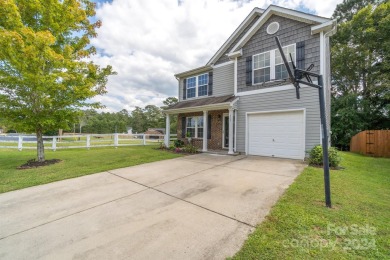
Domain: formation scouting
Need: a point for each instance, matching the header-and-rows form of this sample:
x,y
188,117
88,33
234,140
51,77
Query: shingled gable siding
x,y
290,32
215,143
224,58
281,100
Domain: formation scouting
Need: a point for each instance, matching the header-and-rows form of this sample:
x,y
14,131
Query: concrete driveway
x,y
195,207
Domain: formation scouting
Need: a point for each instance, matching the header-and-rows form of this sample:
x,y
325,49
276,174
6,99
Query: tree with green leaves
x,y
348,8
138,120
154,117
45,75
169,101
361,71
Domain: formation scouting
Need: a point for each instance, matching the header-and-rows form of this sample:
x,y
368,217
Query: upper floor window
x,y
203,83
269,65
261,67
197,86
191,87
280,68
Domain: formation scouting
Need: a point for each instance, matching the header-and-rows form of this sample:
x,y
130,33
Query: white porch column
x,y
167,129
235,130
231,131
205,128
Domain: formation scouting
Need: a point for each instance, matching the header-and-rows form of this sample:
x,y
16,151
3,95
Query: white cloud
x,y
148,41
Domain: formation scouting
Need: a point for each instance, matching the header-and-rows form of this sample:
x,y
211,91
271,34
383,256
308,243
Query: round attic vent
x,y
273,28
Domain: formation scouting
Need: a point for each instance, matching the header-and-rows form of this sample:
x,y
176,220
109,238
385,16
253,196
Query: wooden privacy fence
x,y
372,142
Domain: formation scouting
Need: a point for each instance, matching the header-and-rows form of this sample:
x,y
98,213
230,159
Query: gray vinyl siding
x,y
281,100
224,58
290,32
223,80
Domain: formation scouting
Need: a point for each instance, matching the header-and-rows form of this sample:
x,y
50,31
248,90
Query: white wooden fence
x,y
21,142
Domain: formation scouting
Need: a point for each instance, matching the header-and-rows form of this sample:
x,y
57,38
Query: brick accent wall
x,y
215,143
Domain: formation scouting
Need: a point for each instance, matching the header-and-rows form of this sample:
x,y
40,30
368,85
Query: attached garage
x,y
276,134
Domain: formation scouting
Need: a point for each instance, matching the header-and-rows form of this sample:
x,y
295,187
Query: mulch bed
x,y
35,164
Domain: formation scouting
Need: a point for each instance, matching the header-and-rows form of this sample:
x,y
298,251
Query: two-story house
x,y
242,100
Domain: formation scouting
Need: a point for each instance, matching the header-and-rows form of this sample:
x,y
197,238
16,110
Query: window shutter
x,y
183,127
301,55
209,127
249,70
184,89
210,83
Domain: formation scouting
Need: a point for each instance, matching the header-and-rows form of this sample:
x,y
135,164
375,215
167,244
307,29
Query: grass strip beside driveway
x,y
76,162
301,227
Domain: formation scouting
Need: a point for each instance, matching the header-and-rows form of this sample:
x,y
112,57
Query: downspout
x,y
328,79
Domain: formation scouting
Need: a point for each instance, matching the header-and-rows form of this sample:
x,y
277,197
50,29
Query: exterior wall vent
x,y
273,28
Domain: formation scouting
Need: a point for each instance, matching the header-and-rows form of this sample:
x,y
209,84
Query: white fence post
x,y
88,141
54,144
116,140
144,139
20,143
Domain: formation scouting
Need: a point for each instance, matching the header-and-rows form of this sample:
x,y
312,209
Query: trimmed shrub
x,y
178,143
190,149
315,157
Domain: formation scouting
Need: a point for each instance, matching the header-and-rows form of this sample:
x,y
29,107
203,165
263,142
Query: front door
x,y
225,131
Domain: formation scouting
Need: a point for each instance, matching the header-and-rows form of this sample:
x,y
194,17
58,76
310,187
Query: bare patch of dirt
x,y
35,164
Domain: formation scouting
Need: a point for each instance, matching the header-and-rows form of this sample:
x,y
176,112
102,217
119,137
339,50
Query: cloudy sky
x,y
148,41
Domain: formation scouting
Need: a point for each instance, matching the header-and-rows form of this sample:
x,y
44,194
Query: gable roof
x,y
320,23
280,11
254,13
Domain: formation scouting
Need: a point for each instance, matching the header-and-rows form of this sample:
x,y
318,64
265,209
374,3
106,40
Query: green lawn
x,y
76,162
358,226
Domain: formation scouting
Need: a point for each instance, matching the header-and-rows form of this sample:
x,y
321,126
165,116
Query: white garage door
x,y
279,134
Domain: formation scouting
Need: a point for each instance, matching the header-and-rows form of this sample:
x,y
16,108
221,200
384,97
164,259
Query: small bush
x,y
178,143
162,146
190,149
316,156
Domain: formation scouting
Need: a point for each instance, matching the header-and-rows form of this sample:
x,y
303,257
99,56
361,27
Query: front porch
x,y
206,123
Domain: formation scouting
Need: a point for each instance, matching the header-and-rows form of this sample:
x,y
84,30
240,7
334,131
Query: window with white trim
x,y
269,65
191,87
203,83
280,68
194,127
261,67
198,86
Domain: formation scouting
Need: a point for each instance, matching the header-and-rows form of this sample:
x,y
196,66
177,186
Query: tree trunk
x,y
40,147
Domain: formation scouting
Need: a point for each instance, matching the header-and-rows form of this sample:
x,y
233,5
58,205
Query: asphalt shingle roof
x,y
202,102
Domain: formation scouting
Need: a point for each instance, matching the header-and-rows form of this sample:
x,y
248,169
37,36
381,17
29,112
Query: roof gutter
x,y
236,54
193,71
199,108
327,26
